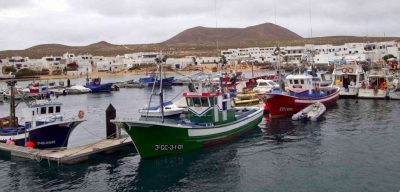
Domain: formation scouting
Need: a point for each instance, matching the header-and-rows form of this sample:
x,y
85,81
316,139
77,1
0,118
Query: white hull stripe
x,y
208,131
13,137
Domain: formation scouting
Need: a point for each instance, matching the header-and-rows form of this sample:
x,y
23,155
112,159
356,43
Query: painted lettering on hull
x,y
171,147
46,142
285,109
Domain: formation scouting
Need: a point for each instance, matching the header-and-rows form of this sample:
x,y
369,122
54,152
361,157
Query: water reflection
x,y
196,170
284,129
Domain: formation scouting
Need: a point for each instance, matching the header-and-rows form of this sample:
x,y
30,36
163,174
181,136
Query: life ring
x,y
81,114
350,70
344,70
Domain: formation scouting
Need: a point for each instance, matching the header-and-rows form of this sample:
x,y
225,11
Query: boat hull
x,y
372,94
350,92
394,95
281,105
149,81
158,139
47,136
100,88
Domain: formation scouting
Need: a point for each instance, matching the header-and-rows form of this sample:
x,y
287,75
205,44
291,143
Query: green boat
x,y
210,120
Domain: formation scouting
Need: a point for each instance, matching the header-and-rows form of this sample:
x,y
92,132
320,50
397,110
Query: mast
x,y
12,84
161,92
87,76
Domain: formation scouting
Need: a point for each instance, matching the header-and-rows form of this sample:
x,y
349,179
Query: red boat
x,y
304,90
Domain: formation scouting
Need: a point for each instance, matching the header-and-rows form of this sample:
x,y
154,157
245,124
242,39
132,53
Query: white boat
x,y
379,82
77,89
395,92
6,76
312,112
265,86
326,78
349,78
170,109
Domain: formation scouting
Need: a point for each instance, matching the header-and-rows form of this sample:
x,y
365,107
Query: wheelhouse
x,y
209,108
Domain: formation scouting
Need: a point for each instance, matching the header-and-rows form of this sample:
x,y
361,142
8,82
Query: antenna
x,y
309,13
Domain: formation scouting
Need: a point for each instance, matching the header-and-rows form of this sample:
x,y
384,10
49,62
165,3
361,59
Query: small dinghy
x,y
312,112
170,109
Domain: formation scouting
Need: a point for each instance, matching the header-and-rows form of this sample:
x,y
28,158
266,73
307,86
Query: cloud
x,y
75,22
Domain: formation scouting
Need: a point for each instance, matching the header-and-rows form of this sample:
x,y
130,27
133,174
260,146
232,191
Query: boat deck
x,y
71,155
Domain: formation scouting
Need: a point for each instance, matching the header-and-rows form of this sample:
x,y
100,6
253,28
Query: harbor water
x,y
353,148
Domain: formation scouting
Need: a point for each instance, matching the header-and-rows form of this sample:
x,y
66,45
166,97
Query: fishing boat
x,y
303,90
312,112
170,110
151,79
6,76
326,78
246,99
349,78
95,86
44,126
395,92
265,86
377,87
210,120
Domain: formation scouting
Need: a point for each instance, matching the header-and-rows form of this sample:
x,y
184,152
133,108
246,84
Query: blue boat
x,y
45,128
151,79
96,86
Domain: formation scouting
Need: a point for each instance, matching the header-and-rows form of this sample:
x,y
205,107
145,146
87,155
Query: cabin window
x,y
323,77
33,113
51,109
196,102
189,101
58,109
43,110
291,82
224,106
295,81
204,102
302,81
362,77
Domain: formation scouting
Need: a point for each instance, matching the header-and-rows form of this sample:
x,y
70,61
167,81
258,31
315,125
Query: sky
x,y
25,23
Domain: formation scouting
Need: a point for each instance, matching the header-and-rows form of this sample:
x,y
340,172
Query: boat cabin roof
x,y
378,72
44,103
205,94
299,77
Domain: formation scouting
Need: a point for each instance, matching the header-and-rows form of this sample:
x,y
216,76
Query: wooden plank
x,y
70,155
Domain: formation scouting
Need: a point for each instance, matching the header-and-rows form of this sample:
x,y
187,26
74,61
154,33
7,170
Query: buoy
x,y
30,144
81,114
10,142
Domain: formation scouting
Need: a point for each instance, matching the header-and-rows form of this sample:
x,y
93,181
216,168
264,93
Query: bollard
x,y
111,131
